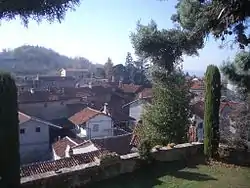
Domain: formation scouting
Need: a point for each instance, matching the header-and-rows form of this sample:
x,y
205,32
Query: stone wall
x,y
96,171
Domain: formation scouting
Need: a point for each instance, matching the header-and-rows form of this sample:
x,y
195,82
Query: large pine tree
x,y
212,107
9,133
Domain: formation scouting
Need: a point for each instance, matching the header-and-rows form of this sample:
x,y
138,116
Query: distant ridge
x,y
32,60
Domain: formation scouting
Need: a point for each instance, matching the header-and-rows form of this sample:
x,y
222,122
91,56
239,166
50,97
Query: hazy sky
x,y
99,29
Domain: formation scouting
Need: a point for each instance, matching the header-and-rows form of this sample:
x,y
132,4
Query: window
x,y
38,129
95,128
22,131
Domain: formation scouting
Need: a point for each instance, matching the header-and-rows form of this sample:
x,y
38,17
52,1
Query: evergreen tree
x,y
9,133
212,107
167,119
108,68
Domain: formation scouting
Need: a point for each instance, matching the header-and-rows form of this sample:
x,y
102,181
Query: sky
x,y
99,29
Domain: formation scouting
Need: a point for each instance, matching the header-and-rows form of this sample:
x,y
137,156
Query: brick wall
x,y
91,172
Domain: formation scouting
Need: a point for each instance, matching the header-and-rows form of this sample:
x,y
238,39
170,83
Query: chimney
x,y
112,79
67,151
105,109
32,91
140,95
90,85
58,138
120,83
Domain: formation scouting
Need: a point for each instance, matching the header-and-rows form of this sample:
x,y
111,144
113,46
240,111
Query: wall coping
x,y
96,164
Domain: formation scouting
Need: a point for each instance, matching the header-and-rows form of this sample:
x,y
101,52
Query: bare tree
x,y
234,128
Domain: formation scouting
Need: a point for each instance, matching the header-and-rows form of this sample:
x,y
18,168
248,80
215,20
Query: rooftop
x,y
84,115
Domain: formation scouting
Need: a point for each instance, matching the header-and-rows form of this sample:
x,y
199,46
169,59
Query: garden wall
x,y
96,171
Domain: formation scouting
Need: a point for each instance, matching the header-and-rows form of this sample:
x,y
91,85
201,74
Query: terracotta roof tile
x,y
198,107
84,115
60,146
145,93
197,85
48,166
130,88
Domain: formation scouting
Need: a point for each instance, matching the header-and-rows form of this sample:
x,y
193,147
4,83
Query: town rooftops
x,y
55,78
130,88
56,165
82,146
198,107
84,115
75,70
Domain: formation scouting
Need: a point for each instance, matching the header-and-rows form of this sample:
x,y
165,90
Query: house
x,y
50,82
198,110
91,123
76,73
34,138
137,107
67,147
48,105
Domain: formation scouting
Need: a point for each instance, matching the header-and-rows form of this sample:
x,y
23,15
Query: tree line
x,y
132,72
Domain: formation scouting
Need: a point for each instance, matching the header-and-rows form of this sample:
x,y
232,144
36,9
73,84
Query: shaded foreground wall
x,y
96,171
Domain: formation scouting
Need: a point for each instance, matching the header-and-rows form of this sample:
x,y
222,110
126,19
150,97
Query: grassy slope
x,y
173,176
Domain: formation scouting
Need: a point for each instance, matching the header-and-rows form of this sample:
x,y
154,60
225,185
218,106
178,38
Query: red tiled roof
x,y
60,146
84,115
198,107
197,85
145,93
130,88
23,117
48,166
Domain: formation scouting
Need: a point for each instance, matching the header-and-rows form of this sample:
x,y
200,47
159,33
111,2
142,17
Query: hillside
x,y
31,60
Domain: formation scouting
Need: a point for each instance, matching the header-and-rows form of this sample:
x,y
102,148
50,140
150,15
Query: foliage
x,y
37,10
216,17
212,107
145,150
9,133
109,158
34,60
108,68
166,120
99,72
238,70
164,47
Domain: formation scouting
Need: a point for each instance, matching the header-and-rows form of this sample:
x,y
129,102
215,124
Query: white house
x,y
67,147
34,139
137,107
91,123
76,73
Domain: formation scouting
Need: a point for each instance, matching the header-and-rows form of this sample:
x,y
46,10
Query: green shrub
x,y
145,150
